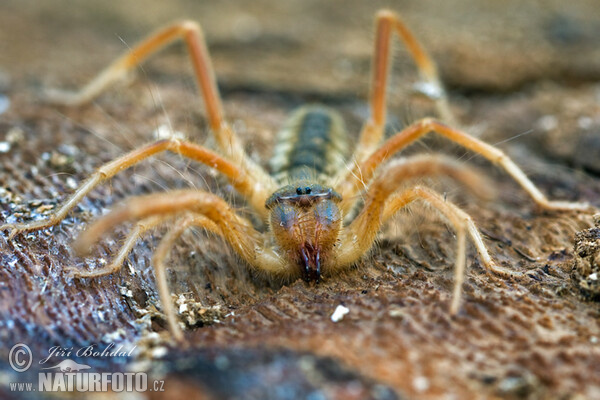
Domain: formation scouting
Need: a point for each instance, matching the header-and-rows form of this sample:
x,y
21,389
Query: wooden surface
x,y
528,81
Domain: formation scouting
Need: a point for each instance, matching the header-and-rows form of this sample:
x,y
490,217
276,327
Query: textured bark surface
x,y
523,76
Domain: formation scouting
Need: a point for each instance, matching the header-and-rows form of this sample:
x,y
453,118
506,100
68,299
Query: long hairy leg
x,y
160,255
256,192
199,209
397,201
388,22
192,34
427,165
360,234
116,264
246,241
362,172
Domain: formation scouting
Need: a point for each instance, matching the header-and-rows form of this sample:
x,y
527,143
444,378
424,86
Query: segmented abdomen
x,y
311,145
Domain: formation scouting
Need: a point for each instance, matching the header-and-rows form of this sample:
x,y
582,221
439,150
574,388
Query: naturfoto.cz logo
x,y
71,376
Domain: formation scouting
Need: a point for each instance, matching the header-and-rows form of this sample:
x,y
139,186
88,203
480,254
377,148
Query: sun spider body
x,y
313,187
304,215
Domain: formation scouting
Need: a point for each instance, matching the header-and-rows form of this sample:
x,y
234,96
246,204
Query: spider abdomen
x,y
312,143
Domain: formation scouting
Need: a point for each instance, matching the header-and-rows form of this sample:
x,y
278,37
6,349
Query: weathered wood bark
x,y
532,337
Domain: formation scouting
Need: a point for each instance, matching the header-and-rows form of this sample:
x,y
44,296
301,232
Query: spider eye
x,y
307,190
299,191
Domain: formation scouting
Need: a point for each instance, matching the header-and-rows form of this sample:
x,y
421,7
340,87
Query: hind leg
x,y
191,33
387,23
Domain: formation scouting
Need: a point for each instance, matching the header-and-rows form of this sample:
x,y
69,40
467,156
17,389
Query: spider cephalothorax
x,y
307,233
306,221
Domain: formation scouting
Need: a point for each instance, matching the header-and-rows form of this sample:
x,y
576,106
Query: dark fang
x,y
312,264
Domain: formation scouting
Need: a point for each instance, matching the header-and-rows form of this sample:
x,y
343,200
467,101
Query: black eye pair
x,y
300,191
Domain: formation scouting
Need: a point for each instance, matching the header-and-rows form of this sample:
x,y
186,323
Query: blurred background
x,y
491,45
545,52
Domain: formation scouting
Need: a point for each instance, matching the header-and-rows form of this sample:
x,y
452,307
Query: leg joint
x,y
501,157
190,26
386,14
428,123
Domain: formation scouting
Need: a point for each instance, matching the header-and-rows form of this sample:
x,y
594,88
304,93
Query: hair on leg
x,y
246,241
192,35
427,165
116,264
355,244
158,261
255,191
387,22
364,171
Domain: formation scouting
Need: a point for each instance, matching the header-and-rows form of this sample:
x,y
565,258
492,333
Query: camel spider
x,y
311,189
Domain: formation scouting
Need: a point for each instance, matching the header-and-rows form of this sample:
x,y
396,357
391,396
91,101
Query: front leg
x,y
158,261
199,208
160,254
246,241
381,203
